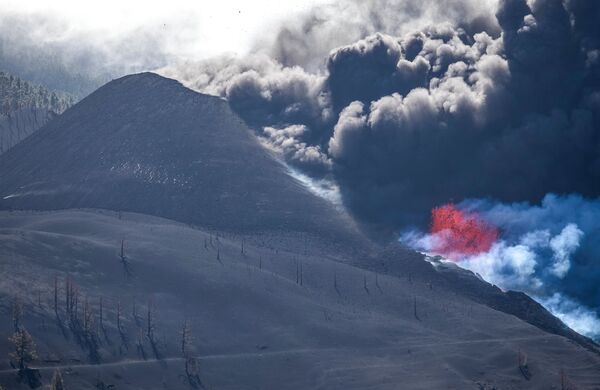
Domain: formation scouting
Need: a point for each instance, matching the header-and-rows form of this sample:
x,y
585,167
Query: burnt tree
x,y
17,314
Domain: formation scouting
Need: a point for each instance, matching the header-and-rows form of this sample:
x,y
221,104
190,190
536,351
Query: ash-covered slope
x,y
275,316
145,143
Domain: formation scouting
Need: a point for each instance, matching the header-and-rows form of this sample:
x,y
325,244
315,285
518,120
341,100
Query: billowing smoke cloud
x,y
405,123
413,107
287,105
579,318
550,251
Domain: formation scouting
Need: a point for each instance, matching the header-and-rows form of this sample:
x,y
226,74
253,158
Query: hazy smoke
x,y
48,51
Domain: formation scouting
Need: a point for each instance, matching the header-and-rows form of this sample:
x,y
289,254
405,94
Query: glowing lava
x,y
458,233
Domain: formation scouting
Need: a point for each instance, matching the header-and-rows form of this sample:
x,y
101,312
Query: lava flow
x,y
459,233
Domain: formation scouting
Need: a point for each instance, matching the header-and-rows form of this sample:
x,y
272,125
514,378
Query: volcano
x,y
145,144
164,211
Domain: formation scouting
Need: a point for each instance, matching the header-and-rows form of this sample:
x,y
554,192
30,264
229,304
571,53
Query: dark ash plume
x,y
446,112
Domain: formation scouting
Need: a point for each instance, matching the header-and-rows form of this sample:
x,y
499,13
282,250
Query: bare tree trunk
x,y
56,296
415,309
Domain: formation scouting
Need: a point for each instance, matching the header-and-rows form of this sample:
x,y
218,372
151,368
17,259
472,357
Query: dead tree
x,y
59,321
74,306
67,297
140,344
71,299
89,328
365,284
101,314
125,261
56,297
186,339
119,314
101,319
136,317
17,314
415,309
305,245
335,282
76,303
57,382
120,329
192,370
89,334
87,317
523,365
151,328
119,325
565,382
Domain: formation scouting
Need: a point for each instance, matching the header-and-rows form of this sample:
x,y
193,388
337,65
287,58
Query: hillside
x,y
160,203
276,315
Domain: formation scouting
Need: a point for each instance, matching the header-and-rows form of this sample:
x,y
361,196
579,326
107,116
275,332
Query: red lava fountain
x,y
459,233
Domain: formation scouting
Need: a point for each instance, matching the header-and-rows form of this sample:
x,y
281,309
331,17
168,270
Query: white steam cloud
x,y
572,313
547,251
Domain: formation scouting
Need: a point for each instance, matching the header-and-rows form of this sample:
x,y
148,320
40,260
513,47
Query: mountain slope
x,y
257,323
144,143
